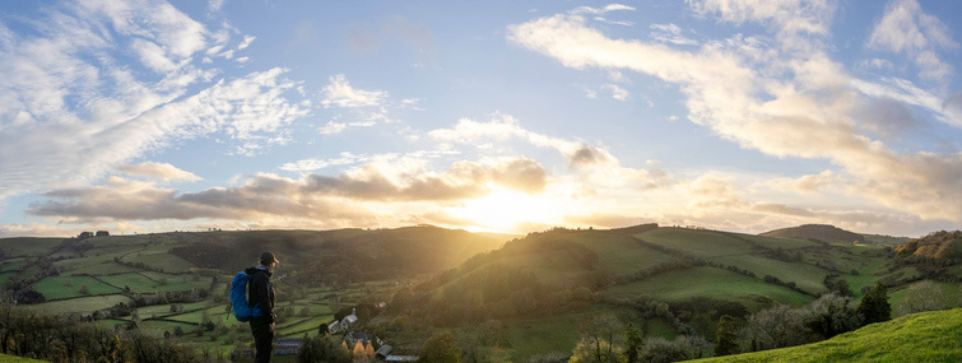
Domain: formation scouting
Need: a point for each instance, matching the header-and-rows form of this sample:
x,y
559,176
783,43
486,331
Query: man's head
x,y
268,259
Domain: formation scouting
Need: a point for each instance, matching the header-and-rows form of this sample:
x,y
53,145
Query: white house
x,y
344,324
349,320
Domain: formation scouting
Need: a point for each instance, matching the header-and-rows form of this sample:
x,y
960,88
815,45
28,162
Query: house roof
x,y
401,358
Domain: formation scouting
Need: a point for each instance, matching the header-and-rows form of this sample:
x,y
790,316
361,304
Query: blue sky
x,y
141,116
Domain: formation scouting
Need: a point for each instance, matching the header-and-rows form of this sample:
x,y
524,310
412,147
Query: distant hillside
x,y
884,240
938,246
923,337
821,232
347,255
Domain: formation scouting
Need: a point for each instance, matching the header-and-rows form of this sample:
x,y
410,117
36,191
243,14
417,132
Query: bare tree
x,y
923,296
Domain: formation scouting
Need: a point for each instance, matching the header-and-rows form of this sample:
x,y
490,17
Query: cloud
x,y
876,63
601,11
617,93
163,171
331,128
248,39
669,33
339,93
745,93
347,158
215,5
403,179
578,153
74,114
808,184
906,29
790,17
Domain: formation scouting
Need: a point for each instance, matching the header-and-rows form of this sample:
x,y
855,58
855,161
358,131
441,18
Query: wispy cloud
x,y
906,29
340,93
732,91
163,171
579,154
669,33
601,11
77,112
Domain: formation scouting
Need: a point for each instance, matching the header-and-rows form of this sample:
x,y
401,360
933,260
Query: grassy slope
x,y
14,359
683,285
728,249
924,337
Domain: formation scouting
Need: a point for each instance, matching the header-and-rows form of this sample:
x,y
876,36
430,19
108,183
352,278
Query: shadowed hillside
x,y
344,256
821,232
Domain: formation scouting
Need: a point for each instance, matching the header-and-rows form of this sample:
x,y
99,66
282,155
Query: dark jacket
x,y
261,291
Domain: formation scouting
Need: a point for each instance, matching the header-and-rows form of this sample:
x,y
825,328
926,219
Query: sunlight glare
x,y
503,210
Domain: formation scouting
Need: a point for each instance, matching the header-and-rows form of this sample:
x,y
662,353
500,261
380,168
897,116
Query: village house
x,y
344,324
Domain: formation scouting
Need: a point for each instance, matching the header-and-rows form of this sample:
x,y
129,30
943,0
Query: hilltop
x,y
821,232
940,246
923,337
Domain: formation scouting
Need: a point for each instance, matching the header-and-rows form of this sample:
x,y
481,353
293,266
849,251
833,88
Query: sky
x,y
139,116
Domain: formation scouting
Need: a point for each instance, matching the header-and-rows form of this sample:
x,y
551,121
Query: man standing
x,y
261,291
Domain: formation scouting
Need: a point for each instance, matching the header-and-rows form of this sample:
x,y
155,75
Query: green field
x,y
55,287
14,359
28,246
731,249
924,337
683,285
84,305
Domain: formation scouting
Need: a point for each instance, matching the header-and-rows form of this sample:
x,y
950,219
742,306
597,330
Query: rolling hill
x,y
923,337
667,280
821,232
531,292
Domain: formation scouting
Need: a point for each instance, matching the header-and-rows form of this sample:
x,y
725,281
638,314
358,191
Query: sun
x,y
503,210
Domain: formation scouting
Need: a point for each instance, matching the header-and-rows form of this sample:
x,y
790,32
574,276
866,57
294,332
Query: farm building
x,y
384,354
288,346
103,234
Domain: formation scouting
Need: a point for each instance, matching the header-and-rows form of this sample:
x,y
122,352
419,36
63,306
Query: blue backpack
x,y
238,298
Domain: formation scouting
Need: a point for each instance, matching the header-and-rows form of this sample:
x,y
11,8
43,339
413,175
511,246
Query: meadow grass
x,y
14,359
300,325
85,305
158,327
165,309
778,242
13,264
728,250
28,246
684,285
923,337
159,259
698,243
54,287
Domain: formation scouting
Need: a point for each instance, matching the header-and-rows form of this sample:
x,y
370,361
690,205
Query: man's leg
x,y
264,342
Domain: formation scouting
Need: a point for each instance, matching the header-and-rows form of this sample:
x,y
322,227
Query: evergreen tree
x,y
634,344
725,337
875,305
